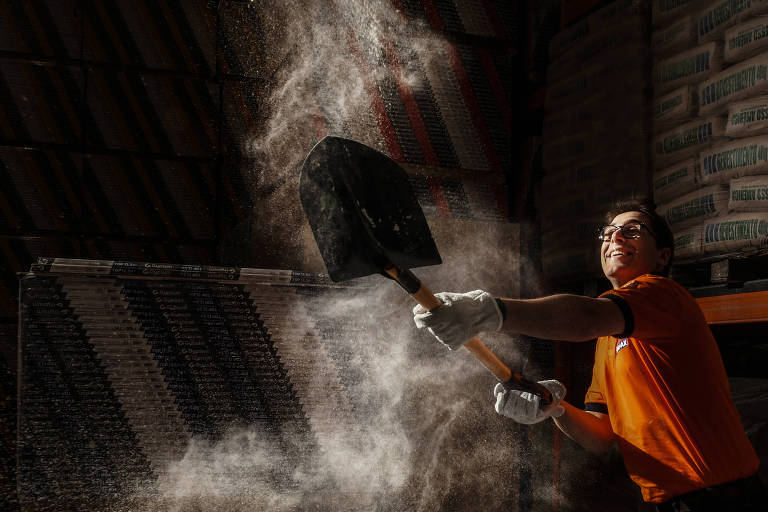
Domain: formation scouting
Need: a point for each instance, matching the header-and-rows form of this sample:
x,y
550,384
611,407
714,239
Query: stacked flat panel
x,y
124,364
165,35
41,102
8,376
476,17
51,29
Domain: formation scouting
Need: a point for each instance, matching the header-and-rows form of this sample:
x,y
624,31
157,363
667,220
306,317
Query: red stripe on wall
x,y
497,87
411,107
436,189
474,109
318,122
377,103
432,16
493,18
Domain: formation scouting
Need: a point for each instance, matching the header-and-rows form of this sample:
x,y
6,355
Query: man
x,y
659,388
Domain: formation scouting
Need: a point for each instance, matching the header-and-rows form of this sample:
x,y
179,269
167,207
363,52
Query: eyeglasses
x,y
628,230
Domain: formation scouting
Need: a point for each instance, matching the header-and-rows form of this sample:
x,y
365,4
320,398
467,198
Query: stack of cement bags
x,y
710,147
596,127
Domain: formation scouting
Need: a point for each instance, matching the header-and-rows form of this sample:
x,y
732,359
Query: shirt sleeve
x,y
655,308
594,399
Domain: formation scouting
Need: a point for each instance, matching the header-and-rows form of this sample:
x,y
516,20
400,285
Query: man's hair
x,y
659,226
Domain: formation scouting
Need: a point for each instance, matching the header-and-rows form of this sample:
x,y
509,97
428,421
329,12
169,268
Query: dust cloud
x,y
397,422
324,66
410,425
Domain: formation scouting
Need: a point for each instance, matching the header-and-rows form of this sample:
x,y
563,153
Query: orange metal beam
x,y
735,308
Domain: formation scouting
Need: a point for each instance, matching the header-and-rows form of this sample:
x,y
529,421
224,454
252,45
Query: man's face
x,y
624,258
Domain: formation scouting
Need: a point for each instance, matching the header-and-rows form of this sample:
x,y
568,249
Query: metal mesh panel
x,y
122,364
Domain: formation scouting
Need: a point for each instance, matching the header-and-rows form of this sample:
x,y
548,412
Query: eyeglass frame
x,y
602,237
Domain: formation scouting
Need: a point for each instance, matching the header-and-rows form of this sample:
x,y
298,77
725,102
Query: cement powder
x,y
748,118
745,40
728,160
686,140
676,180
735,232
688,67
694,207
740,81
749,194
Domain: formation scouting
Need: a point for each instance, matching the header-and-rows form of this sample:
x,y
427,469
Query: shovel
x,y
366,220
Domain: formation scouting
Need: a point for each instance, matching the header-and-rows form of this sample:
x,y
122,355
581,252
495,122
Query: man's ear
x,y
665,253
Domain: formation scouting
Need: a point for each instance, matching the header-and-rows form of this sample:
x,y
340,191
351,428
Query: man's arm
x,y
592,430
563,317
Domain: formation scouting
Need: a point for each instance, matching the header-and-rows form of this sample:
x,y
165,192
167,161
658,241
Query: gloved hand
x,y
460,318
523,407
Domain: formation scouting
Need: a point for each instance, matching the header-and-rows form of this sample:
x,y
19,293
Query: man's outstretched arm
x,y
563,317
557,317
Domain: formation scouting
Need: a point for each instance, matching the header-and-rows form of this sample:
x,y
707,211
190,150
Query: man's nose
x,y
618,235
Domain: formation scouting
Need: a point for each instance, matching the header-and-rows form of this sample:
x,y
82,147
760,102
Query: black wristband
x,y
502,308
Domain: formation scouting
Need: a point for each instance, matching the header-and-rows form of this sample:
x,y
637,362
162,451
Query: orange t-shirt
x,y
667,395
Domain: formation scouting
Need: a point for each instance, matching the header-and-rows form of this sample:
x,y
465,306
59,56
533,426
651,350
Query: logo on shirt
x,y
621,344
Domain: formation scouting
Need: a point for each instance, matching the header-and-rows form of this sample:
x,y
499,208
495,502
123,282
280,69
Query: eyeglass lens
x,y
630,230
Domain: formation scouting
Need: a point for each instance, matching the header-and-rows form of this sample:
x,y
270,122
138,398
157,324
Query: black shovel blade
x,y
362,211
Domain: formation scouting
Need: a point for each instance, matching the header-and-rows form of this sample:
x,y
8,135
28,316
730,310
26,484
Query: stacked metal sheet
x,y
122,364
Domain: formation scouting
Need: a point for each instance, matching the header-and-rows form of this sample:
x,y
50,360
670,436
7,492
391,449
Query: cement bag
x,y
675,106
598,172
719,15
558,262
688,242
749,194
584,203
676,180
584,116
745,40
563,181
680,35
688,67
627,75
743,80
695,206
735,232
747,118
572,150
575,232
618,12
616,43
686,140
666,11
728,160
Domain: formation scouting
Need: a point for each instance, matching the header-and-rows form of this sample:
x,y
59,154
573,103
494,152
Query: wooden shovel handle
x,y
509,379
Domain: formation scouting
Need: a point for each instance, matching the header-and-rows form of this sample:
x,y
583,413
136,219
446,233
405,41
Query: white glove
x,y
460,318
523,407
